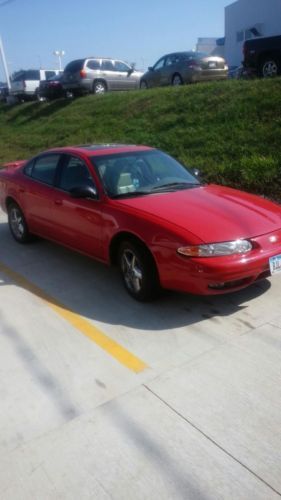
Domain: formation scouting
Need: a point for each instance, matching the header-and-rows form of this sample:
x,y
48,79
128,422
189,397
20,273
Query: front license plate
x,y
275,264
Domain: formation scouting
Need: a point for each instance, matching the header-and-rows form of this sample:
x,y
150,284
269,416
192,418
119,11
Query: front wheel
x,y
99,87
138,271
143,85
17,224
270,67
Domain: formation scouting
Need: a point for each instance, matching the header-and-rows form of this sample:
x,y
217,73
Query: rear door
x,y
109,74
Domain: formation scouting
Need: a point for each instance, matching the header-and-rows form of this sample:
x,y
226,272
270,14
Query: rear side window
x,y
93,64
107,66
48,74
44,169
74,66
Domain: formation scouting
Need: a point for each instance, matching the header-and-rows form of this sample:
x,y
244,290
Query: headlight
x,y
215,249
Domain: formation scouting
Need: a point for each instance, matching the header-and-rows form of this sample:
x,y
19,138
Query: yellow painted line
x,y
118,352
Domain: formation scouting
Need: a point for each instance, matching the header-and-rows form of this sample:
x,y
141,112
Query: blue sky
x,y
137,31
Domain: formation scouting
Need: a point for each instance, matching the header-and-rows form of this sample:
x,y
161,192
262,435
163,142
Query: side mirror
x,y
150,68
130,71
84,192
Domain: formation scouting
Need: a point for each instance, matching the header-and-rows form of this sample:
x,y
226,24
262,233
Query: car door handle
x,y
58,202
21,190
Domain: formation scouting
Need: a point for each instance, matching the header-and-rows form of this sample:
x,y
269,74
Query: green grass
x,y
230,130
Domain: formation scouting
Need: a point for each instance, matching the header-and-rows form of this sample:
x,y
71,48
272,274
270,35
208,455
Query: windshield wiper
x,y
177,185
130,194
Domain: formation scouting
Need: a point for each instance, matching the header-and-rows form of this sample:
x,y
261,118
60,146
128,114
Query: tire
x,y
143,85
177,80
99,87
38,97
138,271
270,67
17,224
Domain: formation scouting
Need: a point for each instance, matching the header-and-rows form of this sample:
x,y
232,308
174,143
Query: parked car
x,y
25,83
262,56
51,88
137,207
97,75
184,67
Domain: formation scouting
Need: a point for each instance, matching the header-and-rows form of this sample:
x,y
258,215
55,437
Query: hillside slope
x,y
230,130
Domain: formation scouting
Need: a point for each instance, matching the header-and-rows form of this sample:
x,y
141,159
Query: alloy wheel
x,y
131,270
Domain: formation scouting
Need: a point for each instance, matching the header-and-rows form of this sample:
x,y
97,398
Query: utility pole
x,y
2,53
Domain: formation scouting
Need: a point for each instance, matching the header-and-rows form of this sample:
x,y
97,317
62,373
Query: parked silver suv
x,y
97,75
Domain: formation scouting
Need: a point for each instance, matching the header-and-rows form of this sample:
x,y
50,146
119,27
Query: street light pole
x,y
2,53
59,54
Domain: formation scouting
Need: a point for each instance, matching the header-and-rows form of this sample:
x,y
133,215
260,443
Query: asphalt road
x,y
105,398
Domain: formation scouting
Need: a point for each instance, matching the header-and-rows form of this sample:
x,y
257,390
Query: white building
x,y
248,19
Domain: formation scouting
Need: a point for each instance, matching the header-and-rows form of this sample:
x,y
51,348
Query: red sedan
x,y
137,207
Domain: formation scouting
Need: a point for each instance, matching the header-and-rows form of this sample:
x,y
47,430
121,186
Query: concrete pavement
x,y
200,420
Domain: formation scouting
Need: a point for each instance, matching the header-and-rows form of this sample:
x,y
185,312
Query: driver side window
x,y
120,66
75,174
160,64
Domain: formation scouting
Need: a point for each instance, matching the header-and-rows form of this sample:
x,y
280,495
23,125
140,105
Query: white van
x,y
25,84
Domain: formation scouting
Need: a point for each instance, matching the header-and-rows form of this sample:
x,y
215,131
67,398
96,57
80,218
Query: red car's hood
x,y
212,213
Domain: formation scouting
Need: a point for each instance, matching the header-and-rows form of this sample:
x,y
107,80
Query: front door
x,y
78,221
37,194
156,74
126,79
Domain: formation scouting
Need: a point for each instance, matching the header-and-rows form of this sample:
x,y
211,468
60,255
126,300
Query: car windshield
x,y
142,173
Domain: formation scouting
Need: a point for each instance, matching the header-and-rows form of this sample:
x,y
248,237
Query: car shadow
x,y
95,291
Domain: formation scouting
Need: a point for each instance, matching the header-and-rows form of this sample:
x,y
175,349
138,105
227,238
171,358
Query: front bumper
x,y
218,275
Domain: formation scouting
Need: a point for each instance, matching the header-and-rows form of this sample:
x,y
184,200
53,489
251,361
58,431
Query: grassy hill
x,y
230,130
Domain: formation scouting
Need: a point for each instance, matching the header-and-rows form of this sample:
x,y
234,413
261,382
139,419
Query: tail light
x,y
83,73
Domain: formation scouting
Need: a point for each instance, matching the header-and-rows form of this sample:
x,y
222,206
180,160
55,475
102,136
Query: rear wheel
x,y
138,271
177,80
99,87
17,224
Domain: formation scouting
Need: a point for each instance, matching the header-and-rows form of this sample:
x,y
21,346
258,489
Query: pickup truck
x,y
262,56
25,84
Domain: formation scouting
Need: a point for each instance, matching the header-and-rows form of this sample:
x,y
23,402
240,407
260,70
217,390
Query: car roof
x,y
101,149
